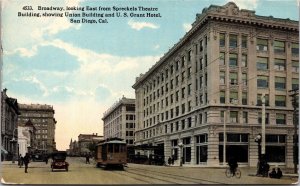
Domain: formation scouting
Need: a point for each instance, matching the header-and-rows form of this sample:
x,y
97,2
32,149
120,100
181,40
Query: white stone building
x,y
119,121
221,67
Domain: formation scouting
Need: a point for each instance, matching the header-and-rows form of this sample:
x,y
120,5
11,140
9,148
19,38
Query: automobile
x,y
37,157
59,160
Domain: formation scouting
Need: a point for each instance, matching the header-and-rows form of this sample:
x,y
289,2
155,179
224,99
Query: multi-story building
x,y
222,67
9,127
119,121
42,118
84,140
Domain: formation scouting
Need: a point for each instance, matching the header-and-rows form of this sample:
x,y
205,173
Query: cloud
x,y
140,25
156,47
245,4
36,31
92,69
187,27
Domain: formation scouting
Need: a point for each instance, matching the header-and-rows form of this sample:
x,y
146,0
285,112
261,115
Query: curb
x,y
283,176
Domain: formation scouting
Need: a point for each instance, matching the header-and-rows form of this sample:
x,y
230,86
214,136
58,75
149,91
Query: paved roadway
x,y
81,173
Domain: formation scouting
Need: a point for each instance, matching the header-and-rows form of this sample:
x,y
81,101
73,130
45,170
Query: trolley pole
x,y
294,94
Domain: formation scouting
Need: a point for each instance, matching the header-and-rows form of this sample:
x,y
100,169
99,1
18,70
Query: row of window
x,y
42,131
230,137
114,114
234,117
169,114
41,136
262,63
233,40
280,82
130,117
280,118
130,125
180,64
261,44
129,133
184,90
169,99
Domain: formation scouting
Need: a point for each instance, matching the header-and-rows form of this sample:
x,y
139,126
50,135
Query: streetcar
x,y
111,153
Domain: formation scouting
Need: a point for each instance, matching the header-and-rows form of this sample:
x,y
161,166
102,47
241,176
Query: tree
x,y
92,147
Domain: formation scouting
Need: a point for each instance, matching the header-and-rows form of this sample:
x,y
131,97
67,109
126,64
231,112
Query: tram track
x,y
168,177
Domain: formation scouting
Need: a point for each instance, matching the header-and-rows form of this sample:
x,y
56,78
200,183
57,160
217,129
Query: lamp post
x,y
258,141
263,126
180,145
13,141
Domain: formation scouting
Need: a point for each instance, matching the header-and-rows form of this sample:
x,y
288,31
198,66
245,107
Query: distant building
x,y
214,78
119,120
84,140
73,148
42,118
9,127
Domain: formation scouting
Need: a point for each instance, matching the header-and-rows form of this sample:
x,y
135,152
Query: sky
x,y
83,69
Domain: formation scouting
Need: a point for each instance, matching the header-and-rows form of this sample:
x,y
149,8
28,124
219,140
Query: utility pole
x,y
294,95
263,126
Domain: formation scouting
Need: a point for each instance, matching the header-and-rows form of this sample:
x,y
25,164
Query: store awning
x,y
3,150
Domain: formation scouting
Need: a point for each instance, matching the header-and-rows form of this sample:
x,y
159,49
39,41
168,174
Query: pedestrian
x,y
169,160
26,161
87,159
46,159
272,174
19,160
267,168
233,165
279,173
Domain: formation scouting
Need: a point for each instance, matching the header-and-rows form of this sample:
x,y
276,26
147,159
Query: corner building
x,y
222,67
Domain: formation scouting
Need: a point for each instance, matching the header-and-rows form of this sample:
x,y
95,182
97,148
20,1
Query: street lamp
x,y
13,141
180,145
258,141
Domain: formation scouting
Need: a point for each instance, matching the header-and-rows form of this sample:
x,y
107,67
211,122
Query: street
x,y
81,173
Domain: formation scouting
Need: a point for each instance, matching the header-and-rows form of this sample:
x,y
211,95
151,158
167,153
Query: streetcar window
x,y
110,148
123,148
116,148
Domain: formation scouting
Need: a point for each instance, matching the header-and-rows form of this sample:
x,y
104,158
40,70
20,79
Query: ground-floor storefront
x,y
205,146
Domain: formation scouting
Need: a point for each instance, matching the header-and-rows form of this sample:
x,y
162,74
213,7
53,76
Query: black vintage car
x,y
59,160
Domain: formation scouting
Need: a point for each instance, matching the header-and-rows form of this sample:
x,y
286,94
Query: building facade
x,y
211,82
9,127
42,118
84,140
119,121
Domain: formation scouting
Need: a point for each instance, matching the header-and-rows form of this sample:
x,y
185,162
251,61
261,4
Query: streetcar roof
x,y
113,142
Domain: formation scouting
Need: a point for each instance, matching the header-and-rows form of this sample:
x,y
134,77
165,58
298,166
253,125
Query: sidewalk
x,y
250,171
